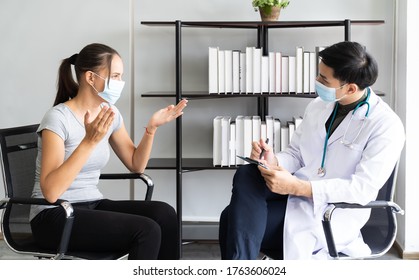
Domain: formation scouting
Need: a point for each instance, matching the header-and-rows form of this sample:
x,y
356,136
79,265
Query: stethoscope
x,y
322,171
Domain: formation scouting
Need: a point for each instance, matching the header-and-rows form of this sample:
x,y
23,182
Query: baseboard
x,y
405,255
200,231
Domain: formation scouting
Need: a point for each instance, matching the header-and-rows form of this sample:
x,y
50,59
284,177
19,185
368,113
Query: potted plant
x,y
269,9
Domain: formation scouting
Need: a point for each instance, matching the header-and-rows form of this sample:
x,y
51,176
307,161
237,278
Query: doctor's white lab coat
x,y
353,175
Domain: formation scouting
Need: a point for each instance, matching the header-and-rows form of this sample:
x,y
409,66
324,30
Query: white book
x,y
312,71
242,72
249,69
256,122
291,73
284,137
232,144
278,72
264,76
276,143
228,71
285,75
236,71
299,70
213,70
239,138
291,129
216,143
272,74
221,71
257,68
263,130
297,121
248,134
269,129
306,72
225,138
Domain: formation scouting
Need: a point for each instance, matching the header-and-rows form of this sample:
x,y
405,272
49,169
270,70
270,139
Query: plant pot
x,y
269,13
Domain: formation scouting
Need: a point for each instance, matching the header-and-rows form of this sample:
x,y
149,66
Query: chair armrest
x,y
373,204
144,177
327,218
64,204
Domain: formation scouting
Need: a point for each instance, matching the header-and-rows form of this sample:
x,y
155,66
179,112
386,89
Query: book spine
x,y
236,71
257,67
228,71
221,71
213,70
299,70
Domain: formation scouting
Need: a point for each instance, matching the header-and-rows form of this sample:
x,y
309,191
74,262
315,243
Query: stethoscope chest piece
x,y
321,172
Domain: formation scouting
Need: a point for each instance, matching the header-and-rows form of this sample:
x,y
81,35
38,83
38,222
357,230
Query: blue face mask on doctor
x,y
327,94
112,91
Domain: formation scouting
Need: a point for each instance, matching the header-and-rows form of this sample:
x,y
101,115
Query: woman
x,y
73,147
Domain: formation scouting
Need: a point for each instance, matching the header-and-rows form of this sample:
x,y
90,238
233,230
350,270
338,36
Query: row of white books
x,y
250,72
233,137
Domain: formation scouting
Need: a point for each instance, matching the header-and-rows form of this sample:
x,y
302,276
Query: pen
x,y
263,150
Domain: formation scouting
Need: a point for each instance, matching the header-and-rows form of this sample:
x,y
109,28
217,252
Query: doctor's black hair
x,y
93,57
351,63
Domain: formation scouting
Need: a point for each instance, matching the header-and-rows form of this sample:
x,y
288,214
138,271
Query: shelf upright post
x,y
179,131
347,24
263,43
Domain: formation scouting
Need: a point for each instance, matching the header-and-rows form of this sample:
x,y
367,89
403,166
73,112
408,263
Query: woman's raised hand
x,y
97,129
166,115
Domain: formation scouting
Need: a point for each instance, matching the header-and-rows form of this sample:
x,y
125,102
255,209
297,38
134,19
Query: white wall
x,y
154,70
36,35
406,100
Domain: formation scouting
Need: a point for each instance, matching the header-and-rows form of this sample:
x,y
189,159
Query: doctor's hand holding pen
x,y
280,181
262,151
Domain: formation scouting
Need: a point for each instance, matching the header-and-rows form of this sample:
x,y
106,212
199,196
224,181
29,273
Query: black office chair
x,y
380,230
18,153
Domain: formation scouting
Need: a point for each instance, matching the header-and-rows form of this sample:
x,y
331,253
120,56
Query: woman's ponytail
x,y
67,87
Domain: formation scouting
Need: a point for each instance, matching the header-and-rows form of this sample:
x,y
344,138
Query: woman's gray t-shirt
x,y
61,120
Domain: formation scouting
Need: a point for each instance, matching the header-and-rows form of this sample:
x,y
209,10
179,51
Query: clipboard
x,y
252,161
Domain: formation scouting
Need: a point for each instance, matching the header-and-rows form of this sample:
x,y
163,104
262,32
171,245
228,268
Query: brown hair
x,y
93,57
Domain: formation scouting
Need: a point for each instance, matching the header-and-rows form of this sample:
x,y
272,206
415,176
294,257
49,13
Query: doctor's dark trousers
x,y
254,219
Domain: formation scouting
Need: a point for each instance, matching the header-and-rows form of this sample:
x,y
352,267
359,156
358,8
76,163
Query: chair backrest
x,y
380,230
18,159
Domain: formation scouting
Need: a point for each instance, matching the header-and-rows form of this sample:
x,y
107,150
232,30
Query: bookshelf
x,y
180,164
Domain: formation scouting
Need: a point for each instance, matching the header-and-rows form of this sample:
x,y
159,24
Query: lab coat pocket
x,y
352,146
346,157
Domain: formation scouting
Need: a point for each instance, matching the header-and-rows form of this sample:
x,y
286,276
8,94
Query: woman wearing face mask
x,y
73,147
343,151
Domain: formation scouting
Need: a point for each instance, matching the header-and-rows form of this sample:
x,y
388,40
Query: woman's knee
x,y
148,231
163,212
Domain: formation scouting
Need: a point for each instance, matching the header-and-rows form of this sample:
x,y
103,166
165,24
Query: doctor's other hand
x,y
166,115
268,154
280,181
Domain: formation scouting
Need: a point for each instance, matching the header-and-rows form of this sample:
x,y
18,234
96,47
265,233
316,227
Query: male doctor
x,y
343,151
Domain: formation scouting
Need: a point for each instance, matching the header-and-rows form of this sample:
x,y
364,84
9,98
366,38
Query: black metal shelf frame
x,y
262,28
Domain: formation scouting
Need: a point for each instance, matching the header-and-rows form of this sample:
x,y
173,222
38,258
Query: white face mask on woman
x,y
112,90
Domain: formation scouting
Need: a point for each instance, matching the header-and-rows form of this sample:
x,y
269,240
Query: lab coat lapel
x,y
340,130
354,125
323,117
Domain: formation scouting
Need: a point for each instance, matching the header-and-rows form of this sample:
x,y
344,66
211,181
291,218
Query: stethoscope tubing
x,y
321,172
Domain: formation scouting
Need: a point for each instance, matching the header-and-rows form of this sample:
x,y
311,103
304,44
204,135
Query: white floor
x,y
208,250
